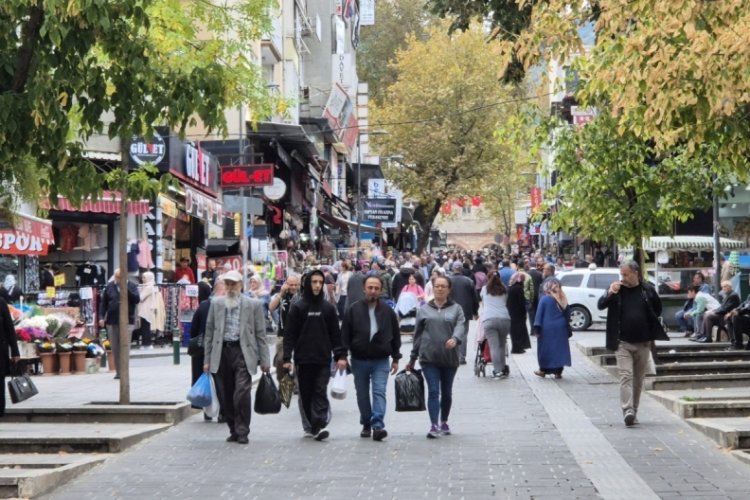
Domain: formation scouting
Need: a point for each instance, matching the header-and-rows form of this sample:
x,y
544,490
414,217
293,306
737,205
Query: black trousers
x,y
147,336
737,326
313,387
234,386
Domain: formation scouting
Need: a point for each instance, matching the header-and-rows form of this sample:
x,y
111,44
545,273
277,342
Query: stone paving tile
x,y
505,445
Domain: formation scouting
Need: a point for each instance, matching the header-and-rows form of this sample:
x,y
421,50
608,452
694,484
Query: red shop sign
x,y
247,175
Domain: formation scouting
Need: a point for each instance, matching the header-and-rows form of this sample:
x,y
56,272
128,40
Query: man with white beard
x,y
235,344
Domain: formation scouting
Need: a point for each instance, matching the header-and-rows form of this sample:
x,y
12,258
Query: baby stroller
x,y
406,309
482,359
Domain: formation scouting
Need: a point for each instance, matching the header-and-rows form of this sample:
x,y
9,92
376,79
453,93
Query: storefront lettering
x,y
247,175
22,242
142,151
197,164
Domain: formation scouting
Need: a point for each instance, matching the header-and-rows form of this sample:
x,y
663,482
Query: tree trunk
x,y
123,361
425,219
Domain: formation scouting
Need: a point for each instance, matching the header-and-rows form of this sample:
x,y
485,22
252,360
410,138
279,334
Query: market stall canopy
x,y
25,235
686,243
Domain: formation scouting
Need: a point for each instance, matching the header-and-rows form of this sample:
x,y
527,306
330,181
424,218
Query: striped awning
x,y
25,235
108,204
686,243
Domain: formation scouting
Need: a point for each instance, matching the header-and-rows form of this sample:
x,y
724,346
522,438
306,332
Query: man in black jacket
x,y
718,316
370,332
109,314
311,334
464,294
738,322
632,325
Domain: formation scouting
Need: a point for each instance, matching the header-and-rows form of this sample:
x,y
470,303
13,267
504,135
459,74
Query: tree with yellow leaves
x,y
442,114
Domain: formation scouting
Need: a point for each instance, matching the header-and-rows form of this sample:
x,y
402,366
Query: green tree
x,y
443,111
395,20
614,185
70,69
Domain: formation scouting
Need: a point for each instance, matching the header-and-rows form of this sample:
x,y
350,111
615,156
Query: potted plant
x,y
64,351
80,349
46,352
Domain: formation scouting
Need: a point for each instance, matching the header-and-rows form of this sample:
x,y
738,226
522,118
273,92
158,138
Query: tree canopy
x,y
72,69
396,20
442,113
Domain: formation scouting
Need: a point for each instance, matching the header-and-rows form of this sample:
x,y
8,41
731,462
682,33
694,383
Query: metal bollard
x,y
102,338
176,345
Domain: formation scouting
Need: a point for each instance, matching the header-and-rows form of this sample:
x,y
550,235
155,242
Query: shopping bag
x,y
21,388
650,365
267,397
409,391
286,388
338,388
195,346
213,409
200,394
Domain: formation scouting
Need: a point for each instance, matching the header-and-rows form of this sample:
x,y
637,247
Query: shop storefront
x,y
23,240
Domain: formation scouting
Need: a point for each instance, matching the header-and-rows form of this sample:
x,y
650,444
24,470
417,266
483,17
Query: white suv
x,y
583,287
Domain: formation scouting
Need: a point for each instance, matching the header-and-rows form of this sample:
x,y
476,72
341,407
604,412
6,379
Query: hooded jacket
x,y
355,332
312,328
435,325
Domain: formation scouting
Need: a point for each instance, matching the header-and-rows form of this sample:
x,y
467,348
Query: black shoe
x,y
207,418
506,370
221,419
629,417
232,438
704,340
379,434
463,362
242,440
117,377
689,334
366,432
321,435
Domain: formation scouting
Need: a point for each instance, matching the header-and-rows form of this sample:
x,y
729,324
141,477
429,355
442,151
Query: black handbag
x,y
267,397
21,388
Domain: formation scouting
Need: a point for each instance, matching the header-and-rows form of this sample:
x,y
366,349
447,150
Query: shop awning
x,y
348,224
26,235
686,243
108,204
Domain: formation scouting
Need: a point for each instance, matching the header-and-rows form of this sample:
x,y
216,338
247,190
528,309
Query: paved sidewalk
x,y
523,437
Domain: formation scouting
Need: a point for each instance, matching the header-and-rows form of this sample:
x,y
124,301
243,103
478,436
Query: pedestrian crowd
x,y
349,318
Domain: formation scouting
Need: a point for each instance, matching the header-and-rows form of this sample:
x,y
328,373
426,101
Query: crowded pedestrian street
x,y
520,437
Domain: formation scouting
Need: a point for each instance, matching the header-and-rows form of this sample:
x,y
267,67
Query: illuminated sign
x,y
247,175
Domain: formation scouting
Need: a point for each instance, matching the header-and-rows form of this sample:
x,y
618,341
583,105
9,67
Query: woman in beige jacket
x,y
151,311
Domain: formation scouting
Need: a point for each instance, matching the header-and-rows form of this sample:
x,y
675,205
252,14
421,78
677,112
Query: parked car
x,y
583,287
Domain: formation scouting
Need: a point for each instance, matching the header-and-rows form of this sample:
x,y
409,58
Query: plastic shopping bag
x,y
200,394
213,409
338,388
267,397
409,391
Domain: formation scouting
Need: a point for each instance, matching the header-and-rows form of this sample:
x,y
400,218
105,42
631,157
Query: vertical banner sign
x,y
536,198
367,12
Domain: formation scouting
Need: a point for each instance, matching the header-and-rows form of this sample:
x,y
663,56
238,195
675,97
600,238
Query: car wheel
x,y
580,318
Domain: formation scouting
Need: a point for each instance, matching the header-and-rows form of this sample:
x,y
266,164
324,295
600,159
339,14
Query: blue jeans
x,y
683,324
371,373
439,390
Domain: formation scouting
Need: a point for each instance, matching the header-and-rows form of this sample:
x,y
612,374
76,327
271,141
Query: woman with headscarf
x,y
551,328
150,309
519,333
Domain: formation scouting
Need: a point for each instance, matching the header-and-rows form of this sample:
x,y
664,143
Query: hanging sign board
x,y
237,176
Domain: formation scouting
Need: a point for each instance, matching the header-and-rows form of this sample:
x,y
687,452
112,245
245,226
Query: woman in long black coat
x,y
8,349
519,333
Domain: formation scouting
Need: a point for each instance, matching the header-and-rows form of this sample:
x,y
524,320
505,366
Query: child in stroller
x,y
406,309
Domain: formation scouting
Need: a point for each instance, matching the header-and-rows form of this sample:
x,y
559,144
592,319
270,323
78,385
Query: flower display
x,y
39,322
45,346
64,347
94,350
107,344
80,346
31,334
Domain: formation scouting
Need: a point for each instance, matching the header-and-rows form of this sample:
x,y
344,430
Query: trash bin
x,y
185,333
